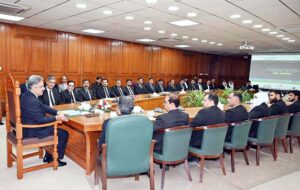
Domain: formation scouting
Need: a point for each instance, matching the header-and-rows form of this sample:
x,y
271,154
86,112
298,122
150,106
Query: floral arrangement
x,y
193,99
104,105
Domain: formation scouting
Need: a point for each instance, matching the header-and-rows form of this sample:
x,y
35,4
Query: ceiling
x,y
213,16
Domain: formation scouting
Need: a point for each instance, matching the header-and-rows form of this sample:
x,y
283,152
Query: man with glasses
x,y
70,95
50,96
34,112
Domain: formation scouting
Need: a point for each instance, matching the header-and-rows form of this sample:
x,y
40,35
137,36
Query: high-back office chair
x,y
294,129
280,132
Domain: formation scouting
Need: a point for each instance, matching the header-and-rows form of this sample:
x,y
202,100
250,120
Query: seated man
x,y
181,86
277,105
96,84
236,113
34,111
209,115
104,91
160,86
174,117
117,89
125,107
294,99
171,87
51,95
139,87
193,85
128,89
85,93
70,95
63,85
150,86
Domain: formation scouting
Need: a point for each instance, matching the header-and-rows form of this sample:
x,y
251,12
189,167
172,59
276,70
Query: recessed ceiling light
x,y
129,17
145,40
10,17
191,14
247,21
219,44
265,30
291,41
81,5
161,31
182,46
184,23
195,39
203,41
185,37
93,31
257,26
212,42
173,8
285,38
151,1
107,12
273,32
235,16
147,28
148,22
174,34
280,36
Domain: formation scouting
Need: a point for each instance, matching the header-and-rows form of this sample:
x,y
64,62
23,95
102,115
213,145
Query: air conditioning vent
x,y
12,8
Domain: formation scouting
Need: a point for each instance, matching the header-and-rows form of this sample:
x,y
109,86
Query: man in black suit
x,y
140,88
150,86
34,112
128,89
181,86
160,86
235,113
171,87
104,91
174,117
207,86
294,99
96,84
199,84
23,86
186,83
213,84
85,93
277,105
70,95
51,95
209,115
193,85
224,85
117,90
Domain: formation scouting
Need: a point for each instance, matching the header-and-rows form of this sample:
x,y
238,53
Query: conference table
x,y
84,131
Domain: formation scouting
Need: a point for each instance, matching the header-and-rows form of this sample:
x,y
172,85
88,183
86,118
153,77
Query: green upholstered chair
x,y
211,146
128,149
281,131
174,149
239,141
265,135
294,129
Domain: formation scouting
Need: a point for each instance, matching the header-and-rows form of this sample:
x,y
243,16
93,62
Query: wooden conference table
x,y
84,131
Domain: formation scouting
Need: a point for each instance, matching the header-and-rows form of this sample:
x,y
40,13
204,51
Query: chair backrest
x,y
213,139
128,140
266,129
295,124
282,125
176,143
13,111
240,134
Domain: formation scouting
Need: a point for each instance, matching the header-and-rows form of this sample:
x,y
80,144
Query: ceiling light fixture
x,y
291,41
81,5
219,44
212,43
161,31
195,39
247,21
11,17
280,36
183,23
257,26
107,12
148,22
285,38
182,46
145,40
174,34
173,8
203,41
129,17
151,1
191,14
185,37
93,31
265,30
235,16
273,32
147,28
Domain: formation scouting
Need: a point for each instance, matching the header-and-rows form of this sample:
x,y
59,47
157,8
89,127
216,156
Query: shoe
x,y
61,163
191,164
47,158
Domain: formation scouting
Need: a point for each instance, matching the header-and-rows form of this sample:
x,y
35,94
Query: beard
x,y
273,100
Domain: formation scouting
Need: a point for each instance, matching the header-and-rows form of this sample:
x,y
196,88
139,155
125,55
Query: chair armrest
x,y
55,123
209,126
172,129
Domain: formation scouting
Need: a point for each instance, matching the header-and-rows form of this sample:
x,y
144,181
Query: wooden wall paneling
x,y
146,61
57,56
89,56
137,59
103,56
126,59
3,49
74,61
39,56
156,60
116,57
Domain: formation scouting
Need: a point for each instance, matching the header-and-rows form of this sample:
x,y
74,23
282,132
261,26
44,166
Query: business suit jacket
x,y
213,86
23,88
278,108
222,87
171,119
45,97
205,87
150,88
199,86
95,87
171,88
101,94
181,87
66,97
159,88
116,92
206,116
259,111
126,91
140,89
102,135
294,107
193,86
84,96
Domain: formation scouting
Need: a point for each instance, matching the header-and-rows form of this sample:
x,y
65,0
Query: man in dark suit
x,y
23,86
85,93
139,87
104,91
277,105
160,86
96,84
51,95
34,112
171,87
174,117
70,95
150,86
117,90
294,99
235,113
186,83
193,85
259,111
213,84
224,85
181,86
209,115
207,86
128,89
199,84
64,84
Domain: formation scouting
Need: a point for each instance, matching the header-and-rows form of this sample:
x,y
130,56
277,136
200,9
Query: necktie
x,y
152,87
88,92
200,87
72,97
161,88
130,91
52,99
106,92
120,91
